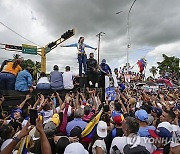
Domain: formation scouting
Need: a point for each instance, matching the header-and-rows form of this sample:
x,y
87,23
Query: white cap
x,y
173,144
102,129
166,125
75,148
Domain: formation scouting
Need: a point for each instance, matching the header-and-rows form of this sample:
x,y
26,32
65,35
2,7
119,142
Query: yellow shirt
x,y
9,68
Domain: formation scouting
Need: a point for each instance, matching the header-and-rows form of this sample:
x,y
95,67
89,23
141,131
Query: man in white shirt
x,y
68,78
130,128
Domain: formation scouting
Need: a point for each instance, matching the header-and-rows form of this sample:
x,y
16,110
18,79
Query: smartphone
x,y
33,116
116,150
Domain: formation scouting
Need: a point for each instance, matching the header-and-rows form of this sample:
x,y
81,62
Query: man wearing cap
x,y
156,112
105,67
117,131
99,145
162,135
130,128
142,117
56,79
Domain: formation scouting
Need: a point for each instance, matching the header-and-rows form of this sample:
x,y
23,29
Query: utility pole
x,y
43,60
128,36
99,40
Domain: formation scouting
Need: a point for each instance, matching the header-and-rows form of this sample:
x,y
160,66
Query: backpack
x,y
135,150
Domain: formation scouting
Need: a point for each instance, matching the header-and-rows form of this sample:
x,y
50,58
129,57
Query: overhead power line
x,y
18,34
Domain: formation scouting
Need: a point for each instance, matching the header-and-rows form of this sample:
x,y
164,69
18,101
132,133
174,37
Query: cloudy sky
x,y
154,28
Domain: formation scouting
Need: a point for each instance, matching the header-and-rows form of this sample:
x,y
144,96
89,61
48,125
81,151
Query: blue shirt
x,y
143,131
56,80
76,122
81,47
23,81
105,68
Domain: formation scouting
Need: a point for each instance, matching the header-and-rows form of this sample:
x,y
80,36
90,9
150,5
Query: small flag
x,y
142,64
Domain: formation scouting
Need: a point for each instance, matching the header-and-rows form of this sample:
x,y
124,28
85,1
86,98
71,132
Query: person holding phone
x,y
45,146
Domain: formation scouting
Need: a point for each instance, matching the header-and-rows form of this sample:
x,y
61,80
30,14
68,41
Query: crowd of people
x,y
13,77
131,120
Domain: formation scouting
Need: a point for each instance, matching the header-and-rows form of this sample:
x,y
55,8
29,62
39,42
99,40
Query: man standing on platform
x,y
92,70
82,57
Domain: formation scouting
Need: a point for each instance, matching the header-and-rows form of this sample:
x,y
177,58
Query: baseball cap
x,y
157,110
116,69
102,129
118,119
55,119
141,115
163,130
75,148
18,110
50,128
104,61
76,131
166,125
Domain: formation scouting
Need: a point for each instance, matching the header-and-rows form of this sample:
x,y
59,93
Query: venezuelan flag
x,y
88,132
23,146
142,64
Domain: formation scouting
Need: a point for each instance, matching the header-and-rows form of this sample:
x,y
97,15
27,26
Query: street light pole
x,y
128,36
99,40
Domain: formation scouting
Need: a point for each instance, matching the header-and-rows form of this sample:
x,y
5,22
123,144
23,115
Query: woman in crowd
x,y
9,73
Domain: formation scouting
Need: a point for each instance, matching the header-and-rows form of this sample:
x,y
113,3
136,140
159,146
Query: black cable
x,y
18,34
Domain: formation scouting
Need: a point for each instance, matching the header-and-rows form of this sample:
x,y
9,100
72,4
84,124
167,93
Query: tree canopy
x,y
169,64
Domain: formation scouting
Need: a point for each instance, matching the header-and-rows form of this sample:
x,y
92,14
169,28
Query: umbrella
x,y
166,81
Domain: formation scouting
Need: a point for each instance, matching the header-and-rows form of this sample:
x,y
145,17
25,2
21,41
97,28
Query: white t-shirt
x,y
101,144
48,114
121,142
68,80
43,80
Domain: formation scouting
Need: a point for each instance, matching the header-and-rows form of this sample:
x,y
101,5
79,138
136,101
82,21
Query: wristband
x,y
16,139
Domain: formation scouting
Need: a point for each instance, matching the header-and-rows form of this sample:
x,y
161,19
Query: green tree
x,y
153,70
36,69
35,66
169,64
